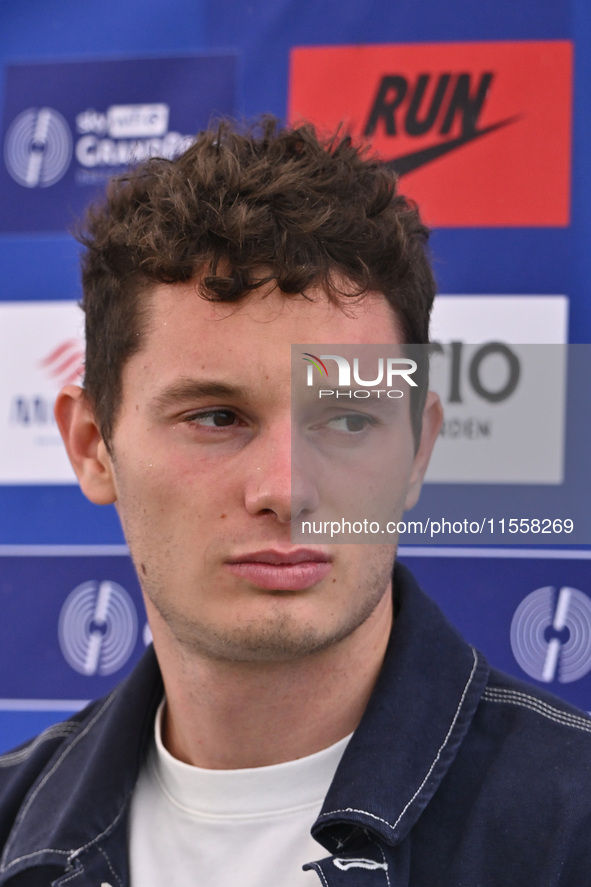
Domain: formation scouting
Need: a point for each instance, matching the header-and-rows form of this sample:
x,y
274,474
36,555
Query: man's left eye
x,y
353,423
214,418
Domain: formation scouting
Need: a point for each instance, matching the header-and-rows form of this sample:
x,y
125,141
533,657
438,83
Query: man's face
x,y
202,474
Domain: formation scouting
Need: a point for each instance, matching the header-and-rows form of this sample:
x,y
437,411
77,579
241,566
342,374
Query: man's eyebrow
x,y
194,389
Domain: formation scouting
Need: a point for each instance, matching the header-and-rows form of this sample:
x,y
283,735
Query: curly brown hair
x,y
238,209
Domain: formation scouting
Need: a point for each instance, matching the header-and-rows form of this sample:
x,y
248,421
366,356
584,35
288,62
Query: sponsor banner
x,y
41,349
70,126
479,132
496,428
77,625
528,611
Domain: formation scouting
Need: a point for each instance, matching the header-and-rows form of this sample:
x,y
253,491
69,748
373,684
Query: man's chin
x,y
264,643
285,636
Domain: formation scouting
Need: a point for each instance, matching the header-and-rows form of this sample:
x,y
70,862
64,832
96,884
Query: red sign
x,y
480,133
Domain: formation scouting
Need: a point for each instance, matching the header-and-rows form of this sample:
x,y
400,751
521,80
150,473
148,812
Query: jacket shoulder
x,y
534,745
529,708
22,767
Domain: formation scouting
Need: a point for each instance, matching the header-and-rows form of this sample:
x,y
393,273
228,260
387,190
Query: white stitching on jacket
x,y
320,873
46,778
79,850
431,768
524,700
71,877
17,757
111,869
381,849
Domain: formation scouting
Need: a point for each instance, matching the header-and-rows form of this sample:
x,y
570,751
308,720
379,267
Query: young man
x,y
291,687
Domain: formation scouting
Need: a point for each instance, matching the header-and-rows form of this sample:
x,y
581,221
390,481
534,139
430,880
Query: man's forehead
x,y
368,318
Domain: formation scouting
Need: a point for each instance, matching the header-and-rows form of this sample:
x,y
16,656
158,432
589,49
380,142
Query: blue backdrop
x,y
180,61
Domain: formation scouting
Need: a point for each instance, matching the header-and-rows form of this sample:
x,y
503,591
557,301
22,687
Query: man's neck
x,y
230,715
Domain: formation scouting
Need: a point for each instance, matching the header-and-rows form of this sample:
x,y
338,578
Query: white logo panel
x,y
137,121
504,408
41,349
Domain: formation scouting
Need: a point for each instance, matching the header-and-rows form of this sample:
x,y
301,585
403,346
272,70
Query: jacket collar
x,y
420,710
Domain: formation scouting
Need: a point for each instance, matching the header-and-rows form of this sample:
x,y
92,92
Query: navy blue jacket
x,y
457,776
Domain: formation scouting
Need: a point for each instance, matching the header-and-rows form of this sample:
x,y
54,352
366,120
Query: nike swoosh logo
x,y
410,162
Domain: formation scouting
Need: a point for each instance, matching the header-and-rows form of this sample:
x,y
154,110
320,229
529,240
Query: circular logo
x,y
551,634
38,148
97,628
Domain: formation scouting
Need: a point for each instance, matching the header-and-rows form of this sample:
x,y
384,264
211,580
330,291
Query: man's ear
x,y
432,419
86,448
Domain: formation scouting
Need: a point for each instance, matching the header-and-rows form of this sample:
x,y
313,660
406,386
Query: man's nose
x,y
278,482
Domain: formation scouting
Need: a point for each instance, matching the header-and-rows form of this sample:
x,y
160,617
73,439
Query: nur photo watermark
x,y
509,464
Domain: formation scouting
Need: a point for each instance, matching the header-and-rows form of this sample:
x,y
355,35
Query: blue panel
x,y
58,648
54,273
19,726
515,261
70,126
481,594
45,29
55,515
580,258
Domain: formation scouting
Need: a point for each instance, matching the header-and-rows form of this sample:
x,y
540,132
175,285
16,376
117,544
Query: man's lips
x,y
280,558
282,570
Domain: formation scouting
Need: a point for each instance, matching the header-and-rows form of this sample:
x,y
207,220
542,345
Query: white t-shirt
x,y
191,827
